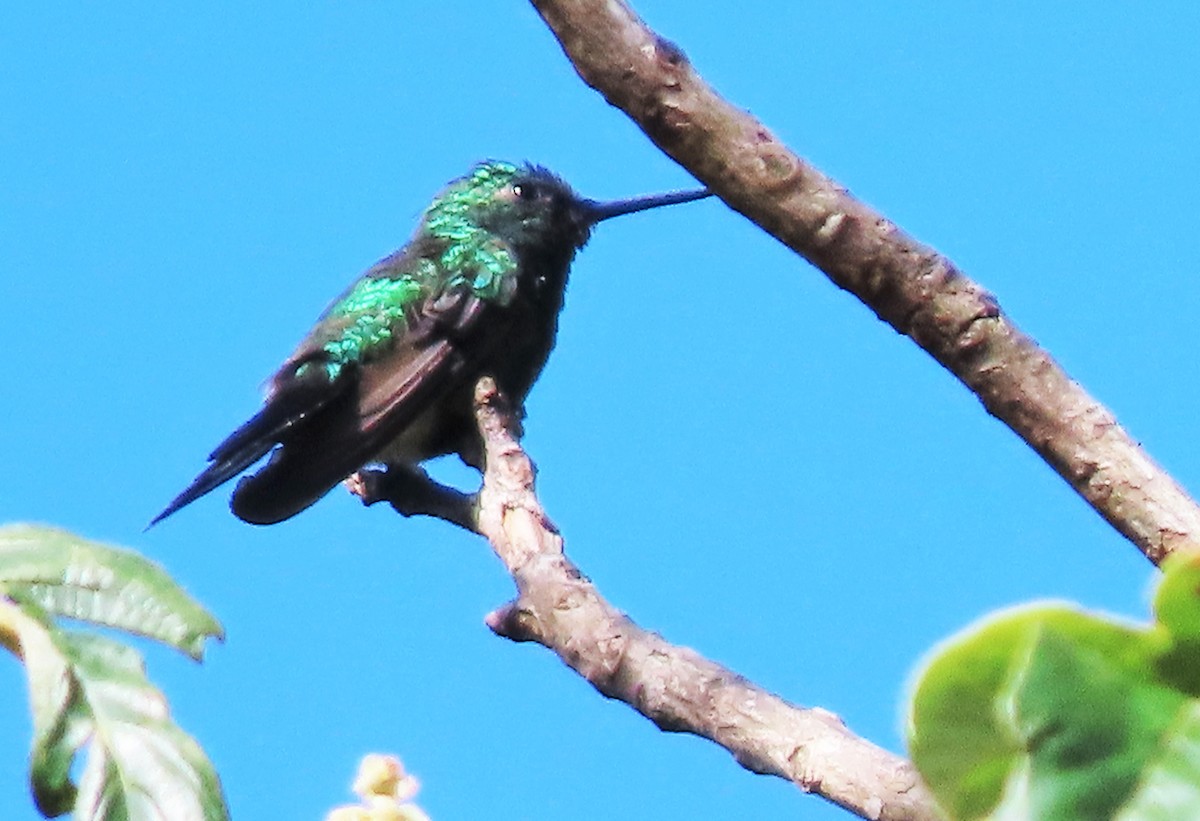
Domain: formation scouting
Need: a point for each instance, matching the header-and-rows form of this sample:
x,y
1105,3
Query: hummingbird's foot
x,y
411,492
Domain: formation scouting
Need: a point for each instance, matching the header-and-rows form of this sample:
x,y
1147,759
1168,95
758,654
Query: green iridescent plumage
x,y
473,256
372,314
375,309
387,373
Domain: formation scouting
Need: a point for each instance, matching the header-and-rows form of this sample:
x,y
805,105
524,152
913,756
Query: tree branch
x,y
908,285
411,492
674,687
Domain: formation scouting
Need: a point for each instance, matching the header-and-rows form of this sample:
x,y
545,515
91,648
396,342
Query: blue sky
x,y
740,455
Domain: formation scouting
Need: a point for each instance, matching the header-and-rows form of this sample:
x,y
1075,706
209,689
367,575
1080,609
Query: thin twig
x,y
411,492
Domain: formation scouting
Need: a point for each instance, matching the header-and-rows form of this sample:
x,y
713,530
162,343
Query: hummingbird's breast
x,y
518,359
511,342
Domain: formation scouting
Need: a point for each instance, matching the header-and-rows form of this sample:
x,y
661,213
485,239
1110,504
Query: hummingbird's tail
x,y
253,440
227,463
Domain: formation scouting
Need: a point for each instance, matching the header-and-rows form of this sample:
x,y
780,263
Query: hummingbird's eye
x,y
525,191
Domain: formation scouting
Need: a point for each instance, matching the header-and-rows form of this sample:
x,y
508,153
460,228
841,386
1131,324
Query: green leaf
x,y
139,764
66,575
1049,712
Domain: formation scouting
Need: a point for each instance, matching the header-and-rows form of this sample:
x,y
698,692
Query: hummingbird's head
x,y
524,206
529,207
498,214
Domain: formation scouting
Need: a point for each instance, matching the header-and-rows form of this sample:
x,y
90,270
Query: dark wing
x,y
388,396
328,428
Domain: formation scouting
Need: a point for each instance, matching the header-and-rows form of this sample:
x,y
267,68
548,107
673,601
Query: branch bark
x,y
908,285
675,687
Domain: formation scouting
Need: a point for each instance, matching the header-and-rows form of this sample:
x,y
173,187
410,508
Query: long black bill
x,y
595,212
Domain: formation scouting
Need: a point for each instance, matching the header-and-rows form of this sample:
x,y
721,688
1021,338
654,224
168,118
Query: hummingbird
x,y
387,373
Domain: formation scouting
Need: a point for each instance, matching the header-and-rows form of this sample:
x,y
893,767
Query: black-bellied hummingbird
x,y
388,372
